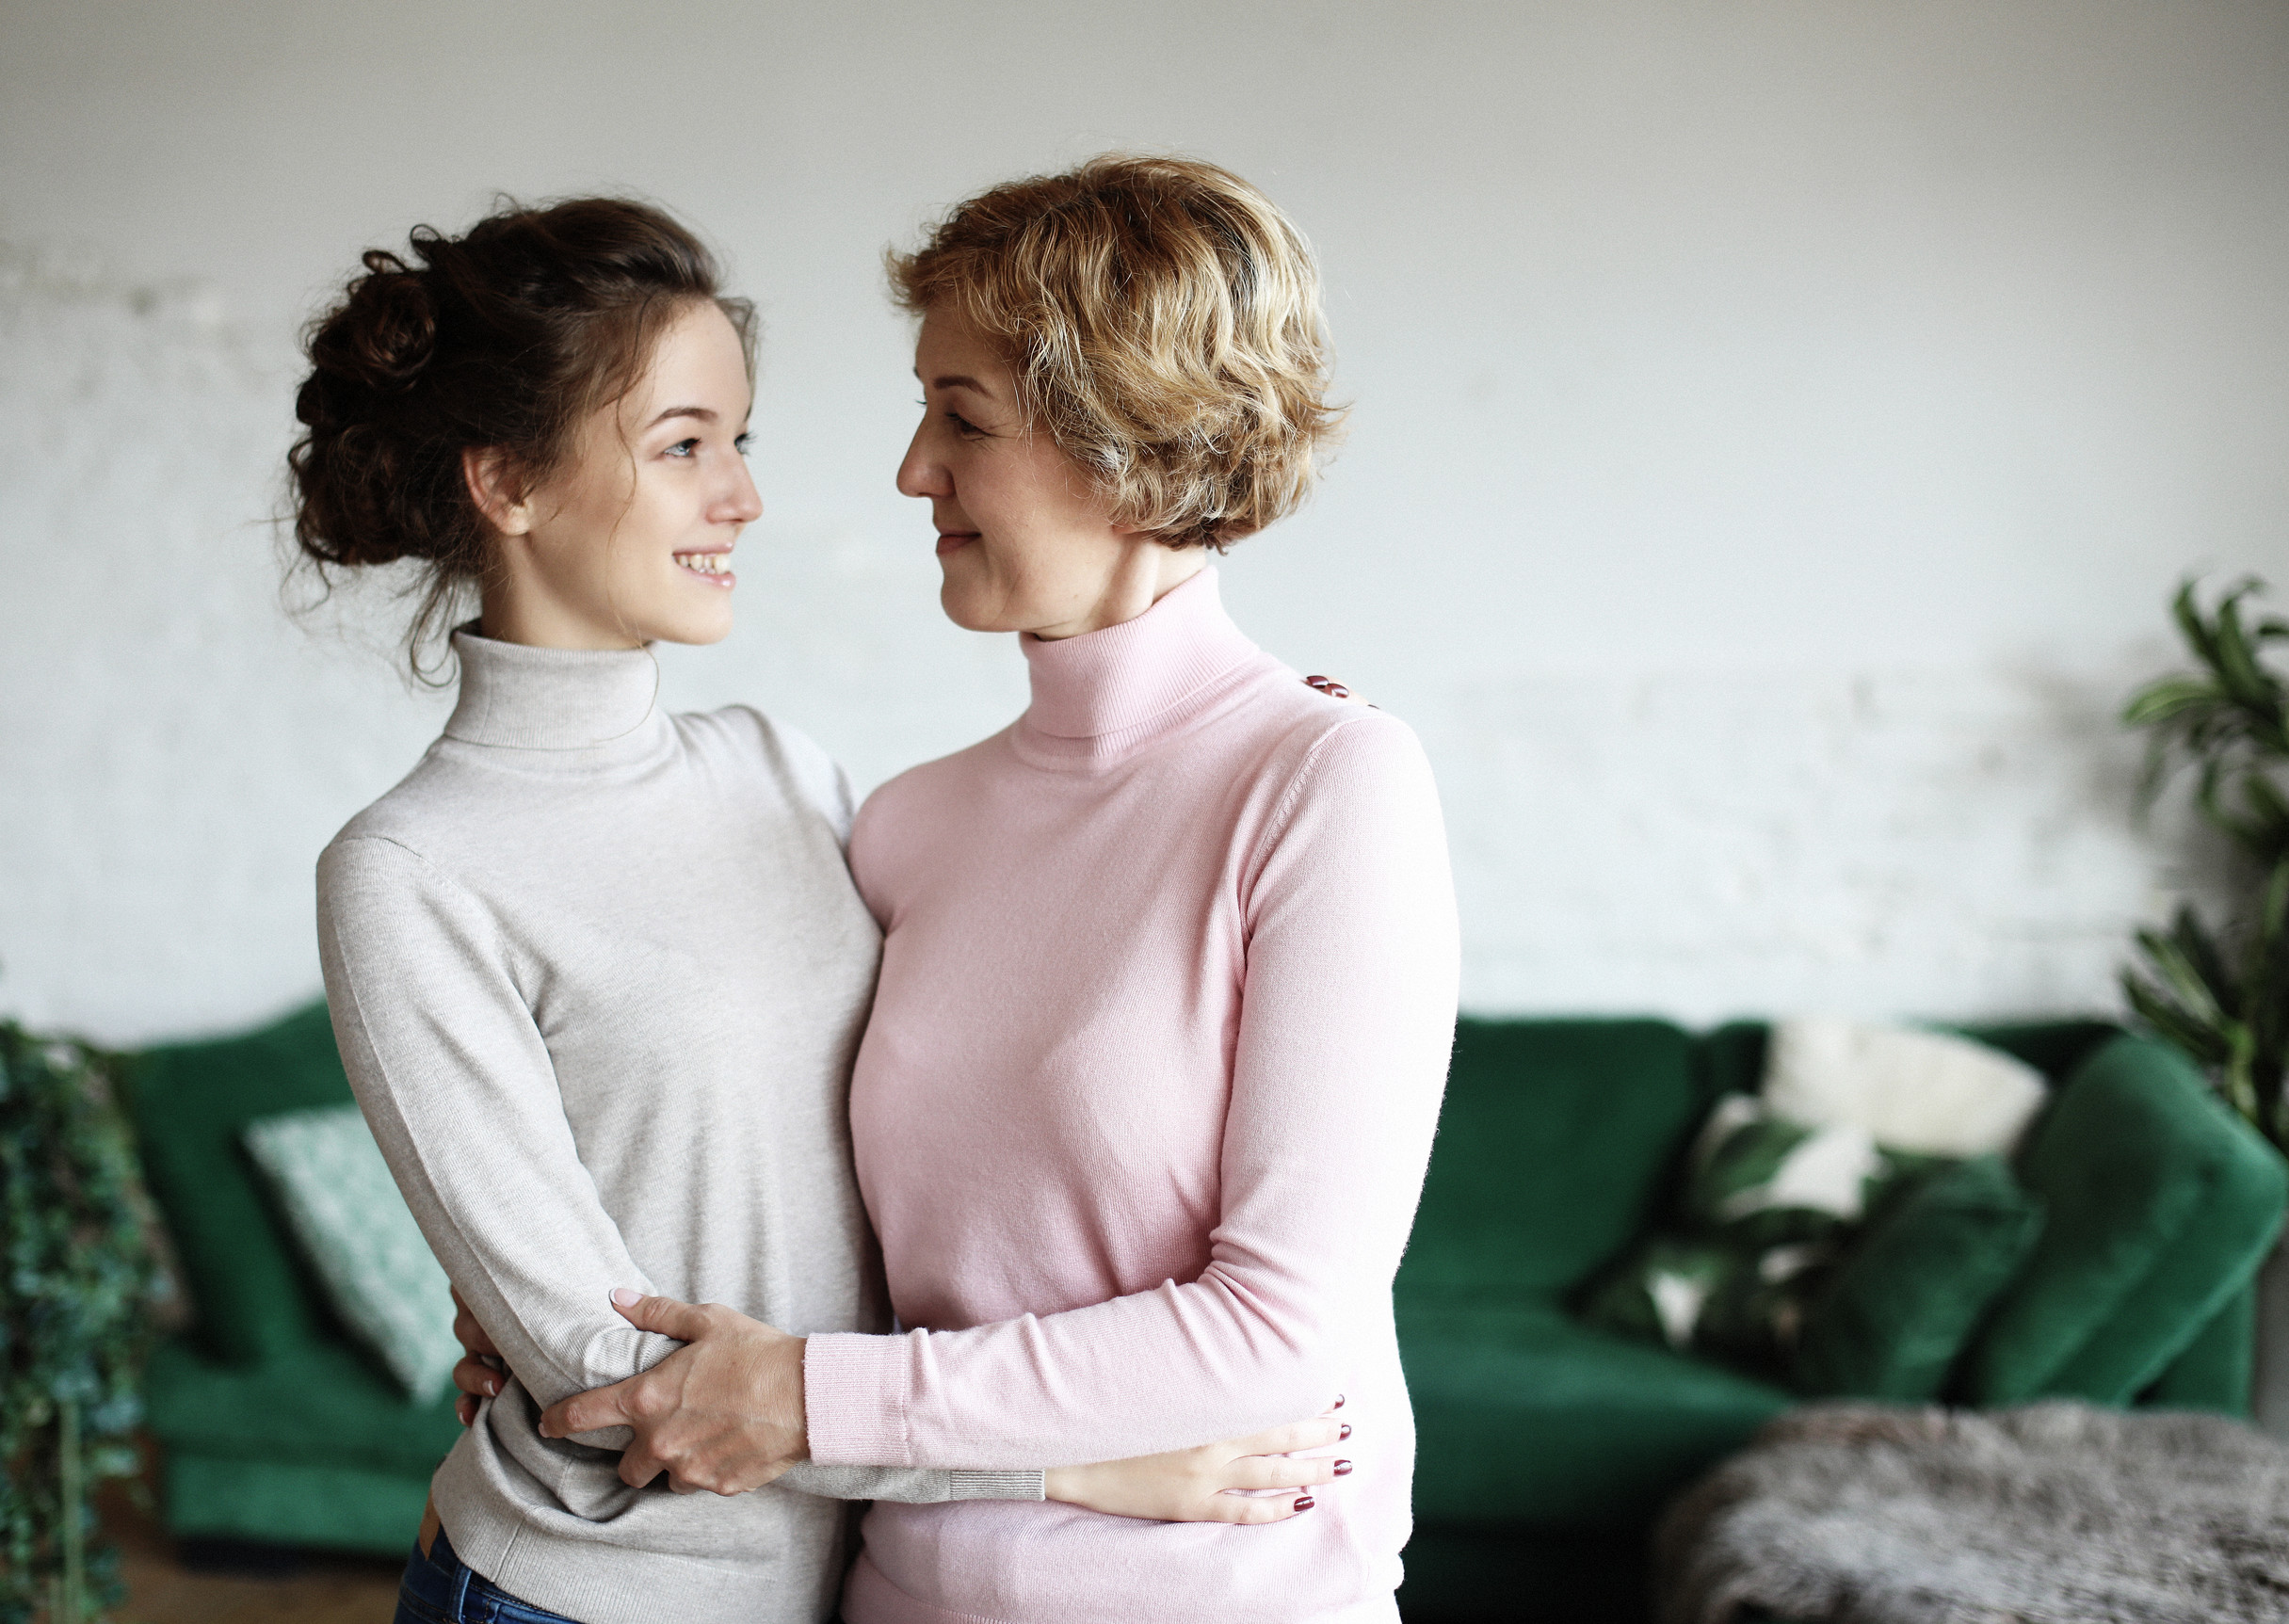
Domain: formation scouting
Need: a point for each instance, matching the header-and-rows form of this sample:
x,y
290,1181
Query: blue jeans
x,y
440,1588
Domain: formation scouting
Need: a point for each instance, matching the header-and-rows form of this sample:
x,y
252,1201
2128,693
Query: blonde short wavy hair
x,y
1163,320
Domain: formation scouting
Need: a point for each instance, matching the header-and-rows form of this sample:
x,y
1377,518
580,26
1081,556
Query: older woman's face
x,y
1025,542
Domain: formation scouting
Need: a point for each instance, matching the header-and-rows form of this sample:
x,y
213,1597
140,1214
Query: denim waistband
x,y
441,1589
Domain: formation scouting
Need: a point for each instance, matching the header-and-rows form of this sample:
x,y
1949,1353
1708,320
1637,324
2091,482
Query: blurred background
x,y
1780,427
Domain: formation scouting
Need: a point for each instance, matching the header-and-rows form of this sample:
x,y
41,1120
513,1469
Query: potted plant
x,y
2221,993
76,1324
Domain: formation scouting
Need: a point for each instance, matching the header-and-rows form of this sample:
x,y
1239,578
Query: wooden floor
x,y
160,1590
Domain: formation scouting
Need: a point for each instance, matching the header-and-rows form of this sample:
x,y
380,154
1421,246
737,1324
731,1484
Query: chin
x,y
695,630
959,609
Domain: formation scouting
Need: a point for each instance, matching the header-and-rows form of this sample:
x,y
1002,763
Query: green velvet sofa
x,y
275,1429
1547,1449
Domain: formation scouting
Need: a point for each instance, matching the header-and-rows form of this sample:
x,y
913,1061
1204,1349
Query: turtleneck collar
x,y
1103,693
527,698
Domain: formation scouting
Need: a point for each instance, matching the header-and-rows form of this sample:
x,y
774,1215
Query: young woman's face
x,y
631,540
1025,542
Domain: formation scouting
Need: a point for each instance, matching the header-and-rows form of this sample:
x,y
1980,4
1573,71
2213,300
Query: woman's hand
x,y
481,1371
1198,1484
724,1413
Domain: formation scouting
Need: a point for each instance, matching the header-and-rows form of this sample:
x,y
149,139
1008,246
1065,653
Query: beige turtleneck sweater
x,y
598,974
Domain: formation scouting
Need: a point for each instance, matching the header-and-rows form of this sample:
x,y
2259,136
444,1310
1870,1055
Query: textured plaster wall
x,y
1777,429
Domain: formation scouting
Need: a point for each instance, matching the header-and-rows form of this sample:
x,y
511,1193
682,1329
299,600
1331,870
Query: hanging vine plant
x,y
2221,993
76,1323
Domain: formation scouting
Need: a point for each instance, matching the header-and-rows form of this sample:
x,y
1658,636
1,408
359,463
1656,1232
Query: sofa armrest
x,y
2162,1204
2215,1372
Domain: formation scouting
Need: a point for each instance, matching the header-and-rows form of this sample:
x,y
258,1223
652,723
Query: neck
x,y
1146,574
518,607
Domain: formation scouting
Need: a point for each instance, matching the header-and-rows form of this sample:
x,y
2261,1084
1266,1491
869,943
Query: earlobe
x,y
486,473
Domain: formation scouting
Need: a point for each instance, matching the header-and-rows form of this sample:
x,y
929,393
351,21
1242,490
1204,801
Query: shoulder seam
x,y
1285,810
440,875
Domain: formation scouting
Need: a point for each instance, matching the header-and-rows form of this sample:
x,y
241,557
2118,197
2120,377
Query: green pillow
x,y
353,1226
1905,1302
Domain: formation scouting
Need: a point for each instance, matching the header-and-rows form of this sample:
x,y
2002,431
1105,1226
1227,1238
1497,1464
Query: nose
x,y
920,474
741,503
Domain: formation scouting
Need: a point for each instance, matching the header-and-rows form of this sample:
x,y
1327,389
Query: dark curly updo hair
x,y
505,338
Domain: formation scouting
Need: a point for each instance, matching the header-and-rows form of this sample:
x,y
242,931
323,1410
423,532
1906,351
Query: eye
x,y
963,426
685,447
745,443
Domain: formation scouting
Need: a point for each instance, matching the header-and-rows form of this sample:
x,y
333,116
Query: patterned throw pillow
x,y
353,1225
1768,1210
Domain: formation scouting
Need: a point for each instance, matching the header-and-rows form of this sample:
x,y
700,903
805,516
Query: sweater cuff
x,y
853,1403
999,1484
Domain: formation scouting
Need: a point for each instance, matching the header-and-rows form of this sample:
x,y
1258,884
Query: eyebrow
x,y
960,380
703,413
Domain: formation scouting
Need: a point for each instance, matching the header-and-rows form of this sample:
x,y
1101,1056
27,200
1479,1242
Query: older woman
x,y
1169,974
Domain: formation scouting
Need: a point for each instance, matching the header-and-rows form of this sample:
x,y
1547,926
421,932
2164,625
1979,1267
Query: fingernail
x,y
1339,1402
1345,1433
1343,1469
1305,1503
625,1298
492,1387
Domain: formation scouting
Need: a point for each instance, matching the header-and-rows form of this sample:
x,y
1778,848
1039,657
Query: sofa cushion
x,y
191,1102
275,1502
1551,1156
1907,1298
323,1406
1524,1415
2161,1203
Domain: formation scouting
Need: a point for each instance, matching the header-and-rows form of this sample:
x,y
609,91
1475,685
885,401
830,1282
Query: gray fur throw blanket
x,y
2050,1514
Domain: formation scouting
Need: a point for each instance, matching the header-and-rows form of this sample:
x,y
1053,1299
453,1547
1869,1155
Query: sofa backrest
x,y
190,1102
1552,1151
1560,1140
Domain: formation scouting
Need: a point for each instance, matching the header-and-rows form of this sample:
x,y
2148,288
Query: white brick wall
x,y
1778,428
1947,842
1938,842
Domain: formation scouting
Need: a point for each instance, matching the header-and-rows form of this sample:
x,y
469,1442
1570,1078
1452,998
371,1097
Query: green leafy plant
x,y
2223,995
75,1323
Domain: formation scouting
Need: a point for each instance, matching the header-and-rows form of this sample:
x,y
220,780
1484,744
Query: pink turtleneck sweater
x,y
1167,986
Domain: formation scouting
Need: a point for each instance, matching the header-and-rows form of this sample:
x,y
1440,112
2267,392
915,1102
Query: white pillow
x,y
352,1224
1918,1091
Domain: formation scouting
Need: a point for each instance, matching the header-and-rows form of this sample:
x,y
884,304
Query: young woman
x,y
598,973
1169,969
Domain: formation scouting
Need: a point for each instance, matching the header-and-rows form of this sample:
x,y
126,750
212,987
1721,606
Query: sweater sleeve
x,y
1347,1019
456,1084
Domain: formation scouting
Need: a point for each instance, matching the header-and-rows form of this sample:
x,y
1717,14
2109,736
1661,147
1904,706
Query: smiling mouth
x,y
713,568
